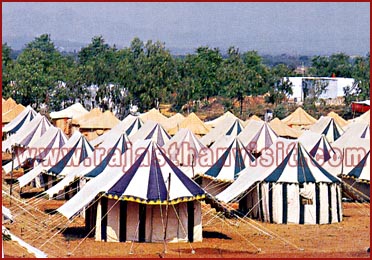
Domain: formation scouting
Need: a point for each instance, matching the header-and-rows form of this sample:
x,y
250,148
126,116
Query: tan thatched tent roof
x,y
338,119
173,121
8,105
11,114
92,113
281,129
299,118
107,120
154,115
193,123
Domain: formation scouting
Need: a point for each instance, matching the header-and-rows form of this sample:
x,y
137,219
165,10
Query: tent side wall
x,y
284,203
130,221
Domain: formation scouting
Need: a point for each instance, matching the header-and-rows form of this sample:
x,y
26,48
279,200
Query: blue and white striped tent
x,y
65,159
287,186
16,124
28,134
257,136
106,155
153,131
327,126
150,192
229,158
50,141
229,126
129,125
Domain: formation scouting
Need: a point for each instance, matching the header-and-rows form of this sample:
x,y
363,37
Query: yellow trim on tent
x,y
154,202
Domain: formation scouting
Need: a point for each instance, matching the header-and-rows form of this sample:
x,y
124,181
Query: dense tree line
x,y
146,74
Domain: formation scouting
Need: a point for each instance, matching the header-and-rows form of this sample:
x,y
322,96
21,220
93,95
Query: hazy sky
x,y
274,28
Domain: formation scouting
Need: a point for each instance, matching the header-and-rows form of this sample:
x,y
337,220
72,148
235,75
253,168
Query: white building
x,y
334,87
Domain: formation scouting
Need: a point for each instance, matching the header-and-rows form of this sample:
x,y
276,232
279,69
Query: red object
x,y
360,108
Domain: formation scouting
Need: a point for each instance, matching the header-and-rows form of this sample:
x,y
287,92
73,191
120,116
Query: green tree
x,y
7,68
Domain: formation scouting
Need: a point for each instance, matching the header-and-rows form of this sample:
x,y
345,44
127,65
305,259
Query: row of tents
x,y
135,177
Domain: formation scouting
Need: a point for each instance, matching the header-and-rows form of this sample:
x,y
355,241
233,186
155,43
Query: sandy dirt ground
x,y
231,238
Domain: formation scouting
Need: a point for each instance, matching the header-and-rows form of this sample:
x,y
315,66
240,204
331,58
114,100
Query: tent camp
x,y
65,159
229,126
299,119
173,121
327,125
227,115
51,141
282,130
152,201
228,158
93,127
28,134
151,130
338,119
193,123
257,135
11,114
16,124
154,115
183,148
63,118
293,188
106,155
129,125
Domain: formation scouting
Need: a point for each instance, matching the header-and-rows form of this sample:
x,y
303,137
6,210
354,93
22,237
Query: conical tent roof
x,y
75,110
151,130
107,120
153,183
129,125
230,157
173,121
53,139
318,146
13,113
154,115
105,156
295,165
257,135
353,130
299,118
144,180
183,148
229,126
361,171
326,125
8,105
283,130
75,150
193,123
23,118
338,119
218,120
29,133
91,114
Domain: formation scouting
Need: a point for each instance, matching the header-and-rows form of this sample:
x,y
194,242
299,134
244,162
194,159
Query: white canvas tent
x,y
213,123
151,130
327,125
136,200
16,124
287,186
68,157
28,134
52,140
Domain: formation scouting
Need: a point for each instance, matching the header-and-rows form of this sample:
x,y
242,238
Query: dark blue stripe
x,y
315,148
16,128
325,131
129,130
121,185
285,204
149,136
303,171
357,170
336,133
216,168
186,181
156,189
364,133
275,175
327,174
57,169
239,162
326,154
231,129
